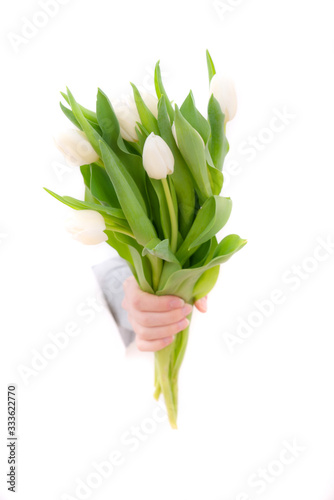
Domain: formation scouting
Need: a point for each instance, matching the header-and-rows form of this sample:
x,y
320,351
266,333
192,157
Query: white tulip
x,y
127,116
151,102
76,148
87,226
158,159
223,90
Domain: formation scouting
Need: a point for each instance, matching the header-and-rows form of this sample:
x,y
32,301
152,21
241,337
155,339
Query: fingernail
x,y
183,324
203,304
186,309
176,303
168,340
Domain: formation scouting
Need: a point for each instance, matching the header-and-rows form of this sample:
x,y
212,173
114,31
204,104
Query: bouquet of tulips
x,y
153,174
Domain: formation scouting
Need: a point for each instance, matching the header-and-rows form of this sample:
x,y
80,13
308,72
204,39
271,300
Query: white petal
x,y
223,90
91,237
151,102
127,116
76,148
86,226
158,159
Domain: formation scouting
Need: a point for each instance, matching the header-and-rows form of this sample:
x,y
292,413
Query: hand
x,y
156,319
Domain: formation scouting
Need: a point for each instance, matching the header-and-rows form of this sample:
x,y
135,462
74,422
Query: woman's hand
x,y
156,319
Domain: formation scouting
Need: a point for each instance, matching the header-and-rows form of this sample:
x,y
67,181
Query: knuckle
x,y
176,315
176,328
147,320
141,332
126,283
164,342
137,302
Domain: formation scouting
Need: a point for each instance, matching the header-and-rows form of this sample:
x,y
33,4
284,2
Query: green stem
x,y
119,229
163,358
157,386
179,355
173,218
156,264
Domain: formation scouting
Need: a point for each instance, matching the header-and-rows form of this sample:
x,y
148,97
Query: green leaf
x,y
101,186
115,215
216,180
90,115
169,268
210,246
129,196
160,249
194,117
111,134
199,257
88,197
92,135
211,67
160,90
193,151
205,283
121,248
210,219
163,208
182,179
83,205
222,211
107,120
229,245
69,114
182,282
218,145
85,172
143,269
148,120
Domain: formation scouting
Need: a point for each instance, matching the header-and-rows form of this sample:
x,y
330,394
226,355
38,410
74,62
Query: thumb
x,y
202,304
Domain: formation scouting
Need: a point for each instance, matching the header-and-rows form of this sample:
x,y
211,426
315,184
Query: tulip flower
x,y
127,116
87,226
224,91
151,102
158,160
76,148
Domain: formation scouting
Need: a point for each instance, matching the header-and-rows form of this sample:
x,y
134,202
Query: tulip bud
x,y
158,159
87,226
224,91
127,116
76,148
151,102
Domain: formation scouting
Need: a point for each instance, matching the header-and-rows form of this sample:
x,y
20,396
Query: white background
x,y
241,400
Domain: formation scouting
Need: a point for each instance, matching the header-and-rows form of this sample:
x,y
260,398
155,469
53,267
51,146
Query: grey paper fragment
x,y
111,275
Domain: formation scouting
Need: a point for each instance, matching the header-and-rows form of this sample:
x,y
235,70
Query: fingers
x,y
147,302
153,345
158,332
154,319
202,304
